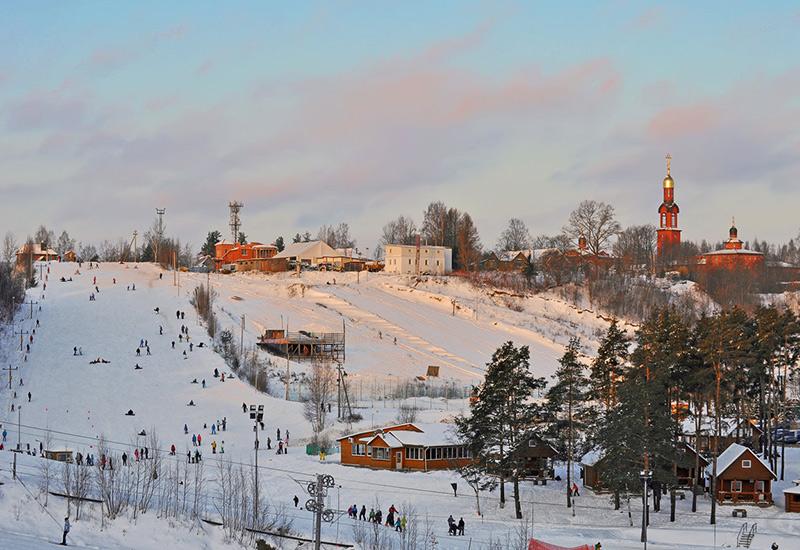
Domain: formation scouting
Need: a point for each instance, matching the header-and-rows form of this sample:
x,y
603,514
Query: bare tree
x,y
595,221
319,383
406,413
336,237
9,248
64,243
469,243
46,467
636,246
402,230
514,237
45,237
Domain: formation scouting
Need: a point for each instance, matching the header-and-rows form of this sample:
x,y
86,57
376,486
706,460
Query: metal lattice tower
x,y
159,231
235,223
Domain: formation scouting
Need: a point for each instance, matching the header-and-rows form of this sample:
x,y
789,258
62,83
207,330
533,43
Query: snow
x,y
78,402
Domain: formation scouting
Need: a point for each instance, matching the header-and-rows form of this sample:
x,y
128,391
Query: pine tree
x,y
503,413
607,367
279,244
212,239
566,402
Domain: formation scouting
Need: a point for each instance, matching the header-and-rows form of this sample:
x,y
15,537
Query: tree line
x,y
632,401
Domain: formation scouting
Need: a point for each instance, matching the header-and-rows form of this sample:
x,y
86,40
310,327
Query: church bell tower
x,y
669,236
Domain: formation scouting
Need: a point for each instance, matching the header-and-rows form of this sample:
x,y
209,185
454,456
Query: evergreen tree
x,y
607,367
212,239
566,403
242,238
503,413
297,238
279,244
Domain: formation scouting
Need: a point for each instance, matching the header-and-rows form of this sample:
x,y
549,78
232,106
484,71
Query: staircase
x,y
746,535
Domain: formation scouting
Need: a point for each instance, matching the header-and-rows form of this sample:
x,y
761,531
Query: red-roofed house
x,y
247,257
405,447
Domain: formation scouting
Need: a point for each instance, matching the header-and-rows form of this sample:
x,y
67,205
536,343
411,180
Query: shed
x,y
61,455
792,497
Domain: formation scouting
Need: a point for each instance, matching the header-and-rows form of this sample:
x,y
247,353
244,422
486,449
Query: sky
x,y
322,112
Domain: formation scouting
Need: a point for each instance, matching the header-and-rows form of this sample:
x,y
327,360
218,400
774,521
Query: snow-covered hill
x,y
77,402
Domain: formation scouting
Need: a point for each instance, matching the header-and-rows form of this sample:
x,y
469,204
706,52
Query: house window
x,y
426,262
359,449
380,453
736,486
244,252
414,453
746,464
759,486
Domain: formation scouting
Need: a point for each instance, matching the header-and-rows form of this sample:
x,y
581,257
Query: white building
x,y
433,260
306,253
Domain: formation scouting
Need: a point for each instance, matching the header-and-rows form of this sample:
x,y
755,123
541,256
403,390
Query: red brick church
x,y
733,255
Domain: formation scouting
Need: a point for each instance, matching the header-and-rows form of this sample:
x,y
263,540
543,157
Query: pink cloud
x,y
683,120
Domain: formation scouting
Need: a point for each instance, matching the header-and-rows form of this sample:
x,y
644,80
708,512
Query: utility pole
x,y
21,333
32,303
241,339
286,397
19,438
9,369
257,416
318,490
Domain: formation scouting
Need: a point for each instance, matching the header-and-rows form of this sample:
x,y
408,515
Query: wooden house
x,y
685,466
405,447
535,458
744,432
513,260
742,477
69,256
35,252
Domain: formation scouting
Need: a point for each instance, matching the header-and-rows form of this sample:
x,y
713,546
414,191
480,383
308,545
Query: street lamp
x,y
645,476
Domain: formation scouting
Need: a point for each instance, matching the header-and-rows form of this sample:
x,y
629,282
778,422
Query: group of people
x,y
393,517
455,528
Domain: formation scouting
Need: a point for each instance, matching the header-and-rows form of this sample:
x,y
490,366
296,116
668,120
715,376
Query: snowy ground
x,y
78,402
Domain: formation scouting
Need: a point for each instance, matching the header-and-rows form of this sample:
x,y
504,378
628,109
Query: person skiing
x,y
29,397
398,525
371,515
160,330
269,444
178,315
194,440
213,426
213,447
224,423
136,455
363,515
138,352
185,429
199,440
204,383
66,531
124,459
451,525
5,434
296,501
461,526
278,434
172,450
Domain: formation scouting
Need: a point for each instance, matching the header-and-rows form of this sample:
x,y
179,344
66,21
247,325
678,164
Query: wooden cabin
x,y
405,447
535,458
742,477
744,432
685,467
791,497
592,465
61,455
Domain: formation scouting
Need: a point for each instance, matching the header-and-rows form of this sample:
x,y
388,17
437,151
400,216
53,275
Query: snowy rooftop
x,y
725,251
432,435
731,455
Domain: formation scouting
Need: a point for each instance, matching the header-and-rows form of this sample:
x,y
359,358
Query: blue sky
x,y
315,113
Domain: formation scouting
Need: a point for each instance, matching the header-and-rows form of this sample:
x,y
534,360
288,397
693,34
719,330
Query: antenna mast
x,y
235,223
159,231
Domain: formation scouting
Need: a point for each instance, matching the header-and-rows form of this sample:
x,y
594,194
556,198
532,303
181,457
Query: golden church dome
x,y
668,183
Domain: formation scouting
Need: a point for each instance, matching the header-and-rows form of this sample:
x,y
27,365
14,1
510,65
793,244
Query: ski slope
x,y
79,402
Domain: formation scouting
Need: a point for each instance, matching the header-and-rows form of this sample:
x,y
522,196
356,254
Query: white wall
x,y
434,260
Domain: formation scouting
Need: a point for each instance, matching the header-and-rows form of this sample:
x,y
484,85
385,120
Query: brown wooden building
x,y
535,458
744,432
742,477
592,465
514,260
792,499
685,469
405,447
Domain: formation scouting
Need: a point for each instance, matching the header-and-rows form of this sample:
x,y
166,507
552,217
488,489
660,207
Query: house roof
x,y
36,248
728,426
792,490
731,455
726,251
311,249
592,457
432,435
